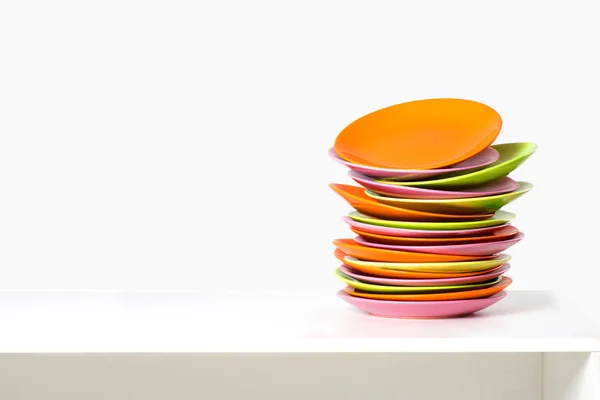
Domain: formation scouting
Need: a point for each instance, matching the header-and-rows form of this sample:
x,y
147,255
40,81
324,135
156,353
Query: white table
x,y
100,345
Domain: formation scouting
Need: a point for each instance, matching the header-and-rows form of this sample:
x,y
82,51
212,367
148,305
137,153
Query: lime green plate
x,y
473,205
511,156
369,287
435,267
499,218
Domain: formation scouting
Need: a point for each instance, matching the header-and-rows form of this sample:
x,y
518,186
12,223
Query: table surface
x,y
162,322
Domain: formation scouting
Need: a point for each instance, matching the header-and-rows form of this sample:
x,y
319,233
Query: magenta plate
x,y
501,186
468,249
478,161
421,309
415,233
463,280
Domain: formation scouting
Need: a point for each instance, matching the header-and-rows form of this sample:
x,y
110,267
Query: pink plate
x,y
469,249
465,280
477,162
501,186
421,309
415,233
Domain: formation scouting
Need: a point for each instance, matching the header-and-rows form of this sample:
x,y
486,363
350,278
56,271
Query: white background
x,y
183,145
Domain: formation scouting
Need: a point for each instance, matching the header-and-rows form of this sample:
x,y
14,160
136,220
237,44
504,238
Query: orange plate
x,y
423,134
459,295
351,248
501,234
389,273
357,198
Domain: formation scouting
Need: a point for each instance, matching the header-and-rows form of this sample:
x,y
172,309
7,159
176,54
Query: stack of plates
x,y
430,235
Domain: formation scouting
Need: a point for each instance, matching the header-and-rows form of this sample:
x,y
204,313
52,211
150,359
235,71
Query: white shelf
x,y
132,322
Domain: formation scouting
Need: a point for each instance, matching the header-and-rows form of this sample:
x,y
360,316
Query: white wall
x,y
183,145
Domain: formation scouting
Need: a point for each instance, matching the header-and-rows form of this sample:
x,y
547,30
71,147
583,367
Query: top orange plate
x,y
422,134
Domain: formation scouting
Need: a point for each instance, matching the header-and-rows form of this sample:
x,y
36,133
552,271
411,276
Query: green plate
x,y
443,267
499,218
474,205
369,287
511,156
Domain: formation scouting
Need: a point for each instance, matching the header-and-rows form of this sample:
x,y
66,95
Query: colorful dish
x,y
378,280
421,309
467,249
362,252
511,156
356,197
507,232
373,269
452,267
503,185
372,288
500,285
487,204
423,134
499,218
417,233
477,162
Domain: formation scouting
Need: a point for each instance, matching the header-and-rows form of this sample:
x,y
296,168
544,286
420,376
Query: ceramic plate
x,y
477,162
378,280
455,295
401,136
356,197
369,287
417,233
443,267
511,156
501,234
371,268
503,185
487,204
499,218
468,249
421,309
361,252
